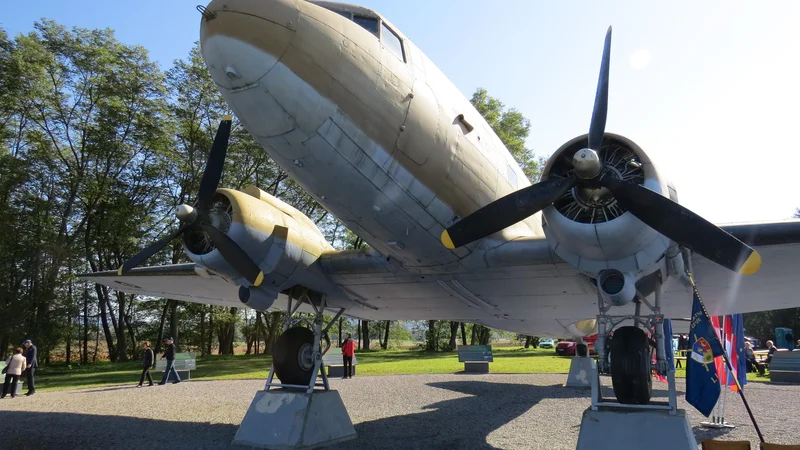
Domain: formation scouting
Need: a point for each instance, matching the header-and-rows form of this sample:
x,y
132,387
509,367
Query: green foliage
x,y
511,127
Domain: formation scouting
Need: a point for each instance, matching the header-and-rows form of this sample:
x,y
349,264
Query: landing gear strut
x,y
629,362
296,415
298,351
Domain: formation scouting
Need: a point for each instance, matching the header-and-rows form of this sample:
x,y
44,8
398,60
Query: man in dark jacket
x,y
32,365
148,362
169,354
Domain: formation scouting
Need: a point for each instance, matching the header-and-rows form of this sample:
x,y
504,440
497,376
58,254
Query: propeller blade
x,y
505,211
150,251
598,125
214,164
684,227
234,255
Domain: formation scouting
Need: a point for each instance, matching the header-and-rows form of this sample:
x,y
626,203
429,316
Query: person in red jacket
x,y
348,349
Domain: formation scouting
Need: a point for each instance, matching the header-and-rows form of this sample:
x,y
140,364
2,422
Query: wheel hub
x,y
305,357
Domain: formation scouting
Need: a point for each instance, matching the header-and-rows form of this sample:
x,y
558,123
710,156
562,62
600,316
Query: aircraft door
x,y
421,128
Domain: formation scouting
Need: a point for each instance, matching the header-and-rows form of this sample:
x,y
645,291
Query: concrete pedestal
x,y
613,429
581,371
279,419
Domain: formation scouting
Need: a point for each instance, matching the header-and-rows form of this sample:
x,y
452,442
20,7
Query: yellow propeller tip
x,y
259,279
119,271
751,265
227,117
447,241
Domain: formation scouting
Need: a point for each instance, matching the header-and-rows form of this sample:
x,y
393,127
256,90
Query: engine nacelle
x,y
258,298
279,238
616,287
588,228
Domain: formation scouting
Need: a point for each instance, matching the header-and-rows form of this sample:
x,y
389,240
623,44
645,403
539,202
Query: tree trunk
x,y
210,329
340,331
474,338
463,334
161,326
486,335
453,335
385,343
203,331
275,320
85,355
173,323
129,325
433,338
122,342
359,334
528,340
104,320
365,334
70,321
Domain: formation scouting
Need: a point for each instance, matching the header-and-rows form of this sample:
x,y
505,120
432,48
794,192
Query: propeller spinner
x,y
658,212
199,216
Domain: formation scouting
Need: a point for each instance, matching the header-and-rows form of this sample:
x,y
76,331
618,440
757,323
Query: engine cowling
x,y
281,240
588,228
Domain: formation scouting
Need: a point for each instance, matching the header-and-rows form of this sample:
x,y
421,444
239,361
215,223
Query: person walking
x,y
169,354
31,365
148,362
15,364
348,350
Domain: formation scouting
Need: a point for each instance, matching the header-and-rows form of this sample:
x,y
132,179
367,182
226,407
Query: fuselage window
x,y
392,41
346,15
368,23
512,176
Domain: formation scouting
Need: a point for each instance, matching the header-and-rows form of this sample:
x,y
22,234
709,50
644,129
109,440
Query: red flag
x,y
719,362
730,348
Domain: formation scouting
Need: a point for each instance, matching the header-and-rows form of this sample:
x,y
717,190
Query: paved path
x,y
405,411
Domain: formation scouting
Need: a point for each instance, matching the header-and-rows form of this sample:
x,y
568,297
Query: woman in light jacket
x,y
15,364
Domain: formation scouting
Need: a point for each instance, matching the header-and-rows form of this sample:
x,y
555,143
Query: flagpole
x,y
727,361
725,370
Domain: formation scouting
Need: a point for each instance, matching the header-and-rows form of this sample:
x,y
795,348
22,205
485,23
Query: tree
x,y
511,127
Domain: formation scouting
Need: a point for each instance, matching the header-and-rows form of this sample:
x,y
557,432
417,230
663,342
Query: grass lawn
x,y
383,362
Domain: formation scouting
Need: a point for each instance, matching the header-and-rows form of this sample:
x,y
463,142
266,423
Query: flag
x,y
702,382
734,347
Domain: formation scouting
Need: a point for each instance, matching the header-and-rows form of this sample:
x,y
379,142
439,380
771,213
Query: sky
x,y
710,90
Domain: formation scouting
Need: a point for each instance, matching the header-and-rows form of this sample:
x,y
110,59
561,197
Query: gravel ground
x,y
427,411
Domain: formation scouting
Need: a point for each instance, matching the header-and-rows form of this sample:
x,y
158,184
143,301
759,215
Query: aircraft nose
x,y
242,40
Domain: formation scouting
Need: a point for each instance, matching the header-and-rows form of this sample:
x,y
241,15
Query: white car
x,y
546,343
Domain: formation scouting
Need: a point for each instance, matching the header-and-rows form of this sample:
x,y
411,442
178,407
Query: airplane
x,y
368,125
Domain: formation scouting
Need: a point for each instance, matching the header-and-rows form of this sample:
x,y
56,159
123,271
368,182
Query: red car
x,y
569,347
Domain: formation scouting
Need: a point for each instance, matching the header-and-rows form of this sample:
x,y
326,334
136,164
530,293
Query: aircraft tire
x,y
630,366
286,356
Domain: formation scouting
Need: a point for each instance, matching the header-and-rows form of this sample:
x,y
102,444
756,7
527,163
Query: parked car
x,y
546,343
569,347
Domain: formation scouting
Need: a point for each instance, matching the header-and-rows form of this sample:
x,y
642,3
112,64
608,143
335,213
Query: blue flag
x,y
736,354
702,382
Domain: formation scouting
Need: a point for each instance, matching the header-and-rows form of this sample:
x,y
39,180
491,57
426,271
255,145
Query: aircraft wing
x,y
186,282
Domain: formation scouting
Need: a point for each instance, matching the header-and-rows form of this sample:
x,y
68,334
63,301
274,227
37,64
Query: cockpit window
x,y
392,41
344,14
368,23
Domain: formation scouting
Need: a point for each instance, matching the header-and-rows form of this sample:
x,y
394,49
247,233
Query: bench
x,y
184,364
476,358
333,361
19,382
785,367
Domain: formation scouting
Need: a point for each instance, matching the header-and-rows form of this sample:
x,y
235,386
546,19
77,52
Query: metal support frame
x,y
318,304
605,324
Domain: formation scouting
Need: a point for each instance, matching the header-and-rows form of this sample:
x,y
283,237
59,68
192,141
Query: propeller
x,y
199,216
657,211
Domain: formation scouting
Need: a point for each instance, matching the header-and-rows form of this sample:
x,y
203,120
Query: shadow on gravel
x,y
55,430
462,423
